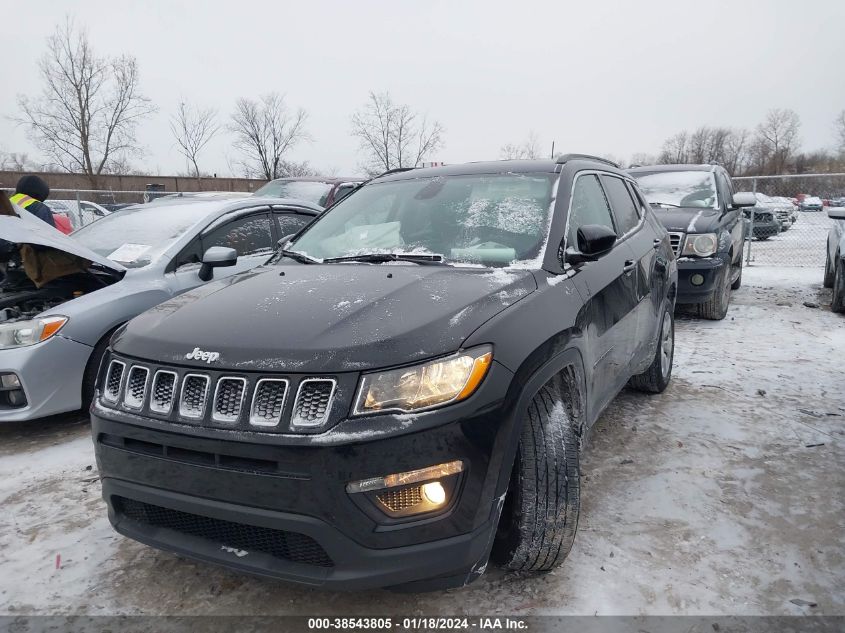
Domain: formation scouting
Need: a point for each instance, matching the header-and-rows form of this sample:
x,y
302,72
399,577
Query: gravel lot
x,y
722,496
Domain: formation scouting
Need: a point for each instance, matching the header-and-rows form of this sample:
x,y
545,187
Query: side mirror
x,y
836,213
217,257
594,240
744,199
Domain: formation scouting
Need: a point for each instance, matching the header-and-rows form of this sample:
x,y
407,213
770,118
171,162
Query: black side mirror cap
x,y
594,240
217,257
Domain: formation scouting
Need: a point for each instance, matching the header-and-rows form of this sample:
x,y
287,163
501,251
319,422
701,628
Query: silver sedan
x,y
61,297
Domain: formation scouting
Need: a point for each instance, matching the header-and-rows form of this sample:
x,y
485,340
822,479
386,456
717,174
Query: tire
x,y
763,238
838,302
89,378
738,283
828,272
540,513
716,307
656,378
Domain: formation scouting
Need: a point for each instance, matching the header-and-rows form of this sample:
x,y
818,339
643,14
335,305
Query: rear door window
x,y
624,209
290,223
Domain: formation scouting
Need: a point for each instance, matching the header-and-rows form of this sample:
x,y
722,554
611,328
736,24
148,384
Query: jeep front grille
x,y
194,392
136,387
211,397
114,376
228,399
164,386
268,402
312,401
676,239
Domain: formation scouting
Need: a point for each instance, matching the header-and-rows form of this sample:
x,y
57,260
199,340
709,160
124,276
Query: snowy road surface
x,y
721,496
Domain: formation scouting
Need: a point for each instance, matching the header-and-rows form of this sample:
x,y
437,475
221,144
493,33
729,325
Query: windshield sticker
x,y
128,252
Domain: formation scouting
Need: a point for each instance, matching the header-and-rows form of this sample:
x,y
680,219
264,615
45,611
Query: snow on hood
x,y
28,229
325,318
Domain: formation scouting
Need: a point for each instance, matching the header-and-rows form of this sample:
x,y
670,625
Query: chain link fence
x,y
789,225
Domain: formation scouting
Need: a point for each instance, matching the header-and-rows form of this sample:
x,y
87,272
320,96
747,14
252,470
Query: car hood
x,y
28,229
325,317
689,219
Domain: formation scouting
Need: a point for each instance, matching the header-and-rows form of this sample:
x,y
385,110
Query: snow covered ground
x,y
721,496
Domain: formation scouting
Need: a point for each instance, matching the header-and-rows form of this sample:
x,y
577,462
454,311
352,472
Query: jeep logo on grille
x,y
198,354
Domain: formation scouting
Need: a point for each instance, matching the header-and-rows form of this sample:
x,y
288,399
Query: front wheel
x,y
540,513
656,378
716,307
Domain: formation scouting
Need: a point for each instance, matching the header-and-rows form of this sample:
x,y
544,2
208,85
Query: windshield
x,y
316,192
492,220
137,236
679,188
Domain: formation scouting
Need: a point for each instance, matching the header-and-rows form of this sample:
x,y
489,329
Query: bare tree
x,y
675,149
265,130
89,108
527,149
193,127
736,151
839,126
777,138
392,135
17,161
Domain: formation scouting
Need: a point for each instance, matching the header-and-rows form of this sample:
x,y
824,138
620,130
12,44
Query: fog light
x,y
434,492
10,381
696,279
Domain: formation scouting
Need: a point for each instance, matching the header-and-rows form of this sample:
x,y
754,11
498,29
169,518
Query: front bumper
x,y
710,270
204,491
51,375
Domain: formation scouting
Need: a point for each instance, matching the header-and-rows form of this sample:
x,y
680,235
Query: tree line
x,y
85,121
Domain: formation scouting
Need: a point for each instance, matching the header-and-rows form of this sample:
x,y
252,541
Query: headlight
x,y
431,384
23,333
701,244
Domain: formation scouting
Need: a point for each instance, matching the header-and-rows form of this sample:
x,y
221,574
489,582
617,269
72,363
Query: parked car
x,y
834,267
782,209
54,327
697,206
792,206
321,191
78,214
838,201
811,203
762,222
405,388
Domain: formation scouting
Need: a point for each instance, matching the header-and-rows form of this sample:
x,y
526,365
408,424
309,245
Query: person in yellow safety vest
x,y
30,194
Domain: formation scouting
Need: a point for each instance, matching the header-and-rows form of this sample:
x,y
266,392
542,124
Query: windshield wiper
x,y
664,204
380,258
302,258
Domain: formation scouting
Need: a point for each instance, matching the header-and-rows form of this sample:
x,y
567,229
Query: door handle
x,y
629,266
656,244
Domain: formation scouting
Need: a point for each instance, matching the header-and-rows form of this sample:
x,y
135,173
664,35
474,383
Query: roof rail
x,y
396,170
568,157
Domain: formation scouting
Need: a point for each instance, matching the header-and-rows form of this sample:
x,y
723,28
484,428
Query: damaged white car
x,y
61,297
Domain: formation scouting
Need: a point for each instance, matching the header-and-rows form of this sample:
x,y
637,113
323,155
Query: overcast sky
x,y
601,77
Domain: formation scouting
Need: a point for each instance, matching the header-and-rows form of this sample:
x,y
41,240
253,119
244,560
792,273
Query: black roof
x,y
658,168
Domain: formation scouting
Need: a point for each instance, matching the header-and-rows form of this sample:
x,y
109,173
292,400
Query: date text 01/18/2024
x,y
418,623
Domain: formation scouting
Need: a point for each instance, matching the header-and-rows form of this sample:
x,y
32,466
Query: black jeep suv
x,y
698,207
403,389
